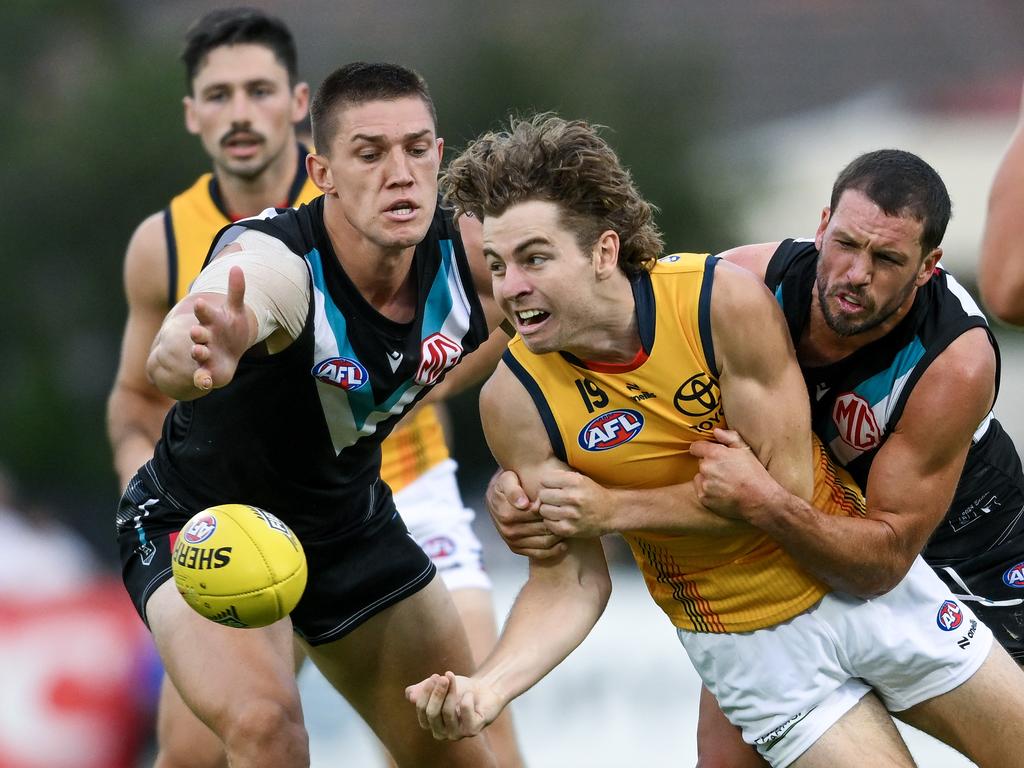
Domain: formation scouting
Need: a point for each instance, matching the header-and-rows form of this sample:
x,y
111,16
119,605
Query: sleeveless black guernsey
x,y
298,432
857,401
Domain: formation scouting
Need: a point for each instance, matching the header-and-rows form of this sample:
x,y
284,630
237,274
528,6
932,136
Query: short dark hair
x,y
567,162
236,26
901,184
359,83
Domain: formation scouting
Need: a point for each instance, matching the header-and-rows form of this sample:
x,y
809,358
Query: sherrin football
x,y
239,566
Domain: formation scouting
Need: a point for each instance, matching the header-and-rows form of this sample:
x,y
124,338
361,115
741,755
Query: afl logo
x,y
438,353
855,421
1015,577
438,546
697,396
949,617
610,430
341,372
201,530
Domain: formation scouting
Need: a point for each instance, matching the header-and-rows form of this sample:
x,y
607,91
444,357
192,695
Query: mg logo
x,y
855,421
438,353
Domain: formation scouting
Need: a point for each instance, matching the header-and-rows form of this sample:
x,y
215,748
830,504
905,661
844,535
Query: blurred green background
x,y
700,101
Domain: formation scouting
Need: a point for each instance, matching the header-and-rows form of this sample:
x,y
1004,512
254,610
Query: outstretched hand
x,y
221,335
453,707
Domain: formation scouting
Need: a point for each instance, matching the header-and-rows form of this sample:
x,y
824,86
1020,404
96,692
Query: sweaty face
x,y
542,280
243,108
869,266
383,165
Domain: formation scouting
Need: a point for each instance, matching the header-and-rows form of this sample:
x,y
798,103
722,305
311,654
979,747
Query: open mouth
x,y
402,209
527,318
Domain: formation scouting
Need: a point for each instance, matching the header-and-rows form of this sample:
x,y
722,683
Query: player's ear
x,y
605,253
300,102
191,120
319,171
819,236
928,263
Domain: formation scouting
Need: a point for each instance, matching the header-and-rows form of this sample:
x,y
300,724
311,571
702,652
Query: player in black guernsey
x,y
902,373
857,402
306,337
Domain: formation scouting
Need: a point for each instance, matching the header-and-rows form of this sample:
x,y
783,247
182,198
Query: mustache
x,y
235,133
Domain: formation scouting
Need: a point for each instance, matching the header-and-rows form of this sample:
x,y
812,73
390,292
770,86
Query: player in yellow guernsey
x,y
622,369
630,425
244,102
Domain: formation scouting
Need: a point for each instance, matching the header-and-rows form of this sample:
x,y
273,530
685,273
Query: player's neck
x,y
614,338
244,197
383,276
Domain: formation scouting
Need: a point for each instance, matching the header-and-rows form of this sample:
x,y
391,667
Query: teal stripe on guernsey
x,y
778,297
360,401
439,303
883,385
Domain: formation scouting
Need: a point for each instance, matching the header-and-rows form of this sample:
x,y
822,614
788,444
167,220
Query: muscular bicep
x,y
763,392
915,473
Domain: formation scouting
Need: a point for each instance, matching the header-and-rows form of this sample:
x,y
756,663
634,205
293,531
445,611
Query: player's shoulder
x,y
145,263
148,243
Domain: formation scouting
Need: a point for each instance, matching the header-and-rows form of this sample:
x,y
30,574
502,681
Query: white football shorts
x,y
784,686
442,525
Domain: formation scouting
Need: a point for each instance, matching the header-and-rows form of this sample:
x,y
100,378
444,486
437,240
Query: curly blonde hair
x,y
545,157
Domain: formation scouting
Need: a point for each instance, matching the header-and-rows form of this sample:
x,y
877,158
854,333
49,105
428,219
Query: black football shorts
x,y
352,576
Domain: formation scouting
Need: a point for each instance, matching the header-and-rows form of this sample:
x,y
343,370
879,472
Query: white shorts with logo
x,y
442,525
784,686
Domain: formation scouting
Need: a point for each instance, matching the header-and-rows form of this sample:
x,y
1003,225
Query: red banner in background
x,y
78,678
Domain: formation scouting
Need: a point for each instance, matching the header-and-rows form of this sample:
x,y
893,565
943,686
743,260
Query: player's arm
x,y
1001,268
753,258
136,408
254,291
556,609
910,485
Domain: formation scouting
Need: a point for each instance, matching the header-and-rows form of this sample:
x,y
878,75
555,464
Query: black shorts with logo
x,y
352,576
978,550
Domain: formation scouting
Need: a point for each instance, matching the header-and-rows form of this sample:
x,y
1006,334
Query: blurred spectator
x,y
1001,271
79,669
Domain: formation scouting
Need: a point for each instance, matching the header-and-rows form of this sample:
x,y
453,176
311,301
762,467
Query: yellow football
x,y
239,566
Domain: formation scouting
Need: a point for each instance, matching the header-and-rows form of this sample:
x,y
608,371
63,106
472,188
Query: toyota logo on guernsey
x,y
610,430
1014,577
949,617
341,372
201,530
